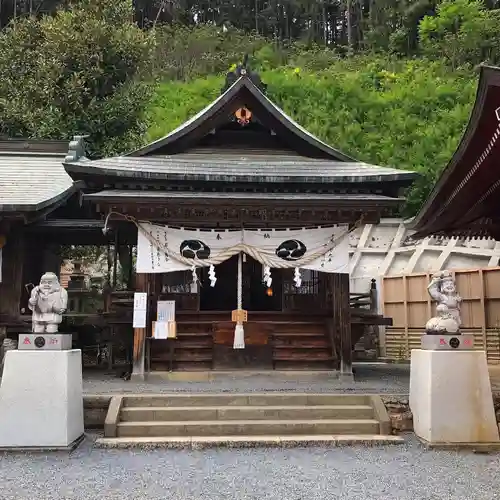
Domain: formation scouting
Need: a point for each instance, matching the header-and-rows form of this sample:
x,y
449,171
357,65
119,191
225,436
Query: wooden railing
x,y
119,301
366,300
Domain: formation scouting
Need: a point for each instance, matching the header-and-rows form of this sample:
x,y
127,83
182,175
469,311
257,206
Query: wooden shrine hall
x,y
40,212
241,166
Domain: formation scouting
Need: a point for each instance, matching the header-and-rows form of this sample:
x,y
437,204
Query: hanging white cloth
x,y
161,249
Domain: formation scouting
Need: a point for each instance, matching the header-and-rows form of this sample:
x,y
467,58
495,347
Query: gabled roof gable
x,y
242,91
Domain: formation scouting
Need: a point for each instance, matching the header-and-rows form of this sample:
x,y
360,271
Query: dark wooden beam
x,y
342,322
234,216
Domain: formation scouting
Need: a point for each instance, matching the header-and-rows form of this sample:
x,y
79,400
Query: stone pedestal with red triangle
x,y
41,400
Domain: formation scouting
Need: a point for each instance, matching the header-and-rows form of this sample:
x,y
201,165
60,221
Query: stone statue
x,y
48,302
443,290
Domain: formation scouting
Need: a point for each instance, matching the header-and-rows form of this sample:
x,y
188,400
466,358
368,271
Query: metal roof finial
x,y
76,148
243,70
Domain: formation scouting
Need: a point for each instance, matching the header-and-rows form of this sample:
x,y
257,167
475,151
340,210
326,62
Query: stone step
x,y
251,399
162,413
243,441
247,427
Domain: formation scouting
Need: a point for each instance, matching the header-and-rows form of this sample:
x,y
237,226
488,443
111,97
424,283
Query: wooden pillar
x,y
139,354
11,285
373,296
342,322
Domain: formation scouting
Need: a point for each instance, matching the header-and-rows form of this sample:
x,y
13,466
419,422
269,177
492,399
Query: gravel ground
x,y
379,379
405,472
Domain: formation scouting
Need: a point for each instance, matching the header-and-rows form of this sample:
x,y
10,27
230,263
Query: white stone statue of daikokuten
x,y
48,302
443,290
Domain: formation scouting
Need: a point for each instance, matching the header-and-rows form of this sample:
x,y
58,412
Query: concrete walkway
x,y
369,379
374,378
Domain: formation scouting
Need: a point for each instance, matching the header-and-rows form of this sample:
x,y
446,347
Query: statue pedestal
x,y
450,397
41,401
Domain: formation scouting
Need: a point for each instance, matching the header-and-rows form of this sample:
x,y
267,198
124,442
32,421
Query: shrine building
x,y
241,170
238,222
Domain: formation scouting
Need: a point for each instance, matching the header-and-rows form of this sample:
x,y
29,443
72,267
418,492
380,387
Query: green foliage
x,y
464,32
392,25
81,71
405,114
81,253
184,53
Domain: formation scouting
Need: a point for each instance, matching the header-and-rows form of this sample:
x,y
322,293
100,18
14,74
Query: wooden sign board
x,y
140,309
165,310
163,330
239,315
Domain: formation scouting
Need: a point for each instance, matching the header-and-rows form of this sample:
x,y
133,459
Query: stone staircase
x,y
199,420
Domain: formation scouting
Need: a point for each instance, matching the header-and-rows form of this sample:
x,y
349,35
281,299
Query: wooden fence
x,y
405,299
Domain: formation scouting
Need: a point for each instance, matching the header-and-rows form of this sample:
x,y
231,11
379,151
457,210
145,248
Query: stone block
x,y
402,421
45,342
464,342
41,402
399,412
450,397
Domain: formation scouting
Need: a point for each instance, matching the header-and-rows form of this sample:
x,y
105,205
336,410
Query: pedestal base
x,y
41,400
450,397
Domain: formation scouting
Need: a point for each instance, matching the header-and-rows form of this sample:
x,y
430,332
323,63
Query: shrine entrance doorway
x,y
256,295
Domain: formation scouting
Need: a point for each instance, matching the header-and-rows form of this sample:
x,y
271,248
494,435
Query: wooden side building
x,y
464,201
40,211
33,183
242,163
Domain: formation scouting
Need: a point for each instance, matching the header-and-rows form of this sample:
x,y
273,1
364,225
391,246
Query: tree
x,y
85,70
348,25
463,32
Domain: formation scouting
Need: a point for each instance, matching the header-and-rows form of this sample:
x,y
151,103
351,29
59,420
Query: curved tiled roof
x,y
32,175
244,168
179,156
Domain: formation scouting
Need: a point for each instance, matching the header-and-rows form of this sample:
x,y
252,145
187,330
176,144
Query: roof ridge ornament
x,y
243,70
76,148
